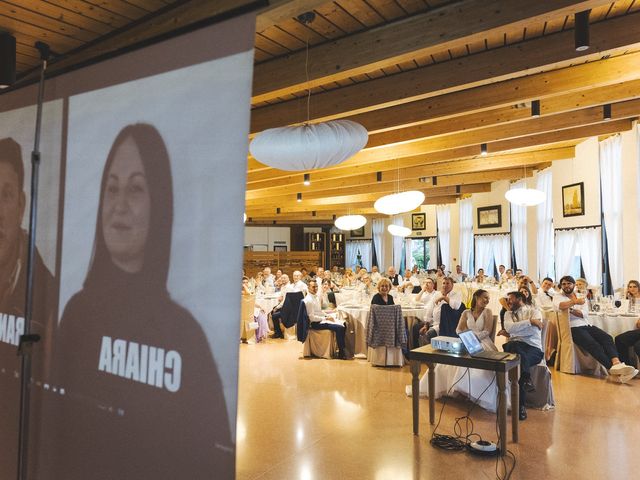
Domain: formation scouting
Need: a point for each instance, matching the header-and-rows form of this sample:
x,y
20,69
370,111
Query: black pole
x,y
27,339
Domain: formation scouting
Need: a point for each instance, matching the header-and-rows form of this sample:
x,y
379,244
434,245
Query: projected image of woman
x,y
140,382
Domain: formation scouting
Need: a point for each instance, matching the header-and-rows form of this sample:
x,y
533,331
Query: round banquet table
x,y
613,324
357,316
267,302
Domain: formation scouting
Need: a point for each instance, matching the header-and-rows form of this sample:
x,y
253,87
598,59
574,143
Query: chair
x,y
315,343
289,313
247,319
542,398
570,357
449,319
551,343
494,329
386,336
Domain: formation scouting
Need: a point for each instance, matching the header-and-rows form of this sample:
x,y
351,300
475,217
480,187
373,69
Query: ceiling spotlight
x,y
307,180
378,176
606,111
299,197
313,213
483,150
278,211
581,30
8,63
535,108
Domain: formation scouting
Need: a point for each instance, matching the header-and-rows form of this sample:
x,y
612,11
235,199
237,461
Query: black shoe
x,y
522,414
276,335
342,356
552,360
528,386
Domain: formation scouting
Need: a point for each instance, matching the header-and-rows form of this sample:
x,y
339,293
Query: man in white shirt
x,y
502,276
408,282
426,296
445,296
595,341
393,277
458,275
375,274
544,298
318,320
523,325
298,284
268,278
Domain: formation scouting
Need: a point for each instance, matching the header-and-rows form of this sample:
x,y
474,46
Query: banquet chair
x,y
449,319
542,398
315,343
290,307
247,319
494,329
386,336
570,357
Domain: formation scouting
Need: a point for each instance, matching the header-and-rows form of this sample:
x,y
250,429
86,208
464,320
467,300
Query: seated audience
x,y
375,274
408,282
246,287
595,341
393,277
446,296
480,277
458,275
544,298
427,293
268,278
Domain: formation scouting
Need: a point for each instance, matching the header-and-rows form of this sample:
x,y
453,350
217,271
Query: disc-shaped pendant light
x,y
525,197
399,202
399,230
350,222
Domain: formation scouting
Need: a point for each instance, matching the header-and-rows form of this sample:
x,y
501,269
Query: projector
x,y
449,344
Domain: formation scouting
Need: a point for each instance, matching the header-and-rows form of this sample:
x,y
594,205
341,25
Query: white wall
x,y
585,167
267,236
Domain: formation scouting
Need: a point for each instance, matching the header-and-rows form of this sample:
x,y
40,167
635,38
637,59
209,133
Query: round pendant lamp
x,y
350,222
245,217
309,146
399,230
525,197
399,202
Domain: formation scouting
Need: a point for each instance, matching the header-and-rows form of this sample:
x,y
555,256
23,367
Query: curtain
x,y
519,230
352,248
611,188
501,251
466,236
409,258
433,253
443,217
566,243
590,245
398,243
544,213
484,253
377,226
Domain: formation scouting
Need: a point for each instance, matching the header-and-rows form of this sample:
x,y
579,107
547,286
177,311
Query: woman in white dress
x,y
454,380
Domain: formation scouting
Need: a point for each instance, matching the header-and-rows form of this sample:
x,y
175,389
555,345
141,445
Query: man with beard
x,y
13,283
595,341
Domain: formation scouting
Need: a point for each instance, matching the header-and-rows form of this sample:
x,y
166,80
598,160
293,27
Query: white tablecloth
x,y
613,324
358,316
267,302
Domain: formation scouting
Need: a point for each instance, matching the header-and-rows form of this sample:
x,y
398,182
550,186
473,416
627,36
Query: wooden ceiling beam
x,y
540,86
423,34
525,58
357,193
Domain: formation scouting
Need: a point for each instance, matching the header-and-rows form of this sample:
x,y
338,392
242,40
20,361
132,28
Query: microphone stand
x,y
27,339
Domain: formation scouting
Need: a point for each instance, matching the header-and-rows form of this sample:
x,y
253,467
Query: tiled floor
x,y
314,419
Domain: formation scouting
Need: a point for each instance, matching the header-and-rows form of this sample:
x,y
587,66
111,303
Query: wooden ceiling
x,y
431,80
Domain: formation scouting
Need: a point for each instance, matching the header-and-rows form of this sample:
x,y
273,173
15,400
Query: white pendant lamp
x,y
309,146
350,222
245,217
399,230
525,197
399,202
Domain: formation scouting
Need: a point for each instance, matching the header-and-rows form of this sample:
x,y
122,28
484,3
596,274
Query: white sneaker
x,y
626,378
621,369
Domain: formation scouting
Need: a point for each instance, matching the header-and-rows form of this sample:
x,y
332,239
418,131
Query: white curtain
x,y
484,253
433,253
443,216
544,212
590,244
611,183
566,242
408,257
585,242
501,250
377,226
519,230
466,236
398,243
352,248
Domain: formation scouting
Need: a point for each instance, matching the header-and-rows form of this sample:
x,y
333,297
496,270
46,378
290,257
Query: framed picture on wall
x,y
418,221
490,217
279,248
573,200
358,232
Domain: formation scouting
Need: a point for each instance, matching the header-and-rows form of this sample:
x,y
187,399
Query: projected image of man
x,y
13,282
